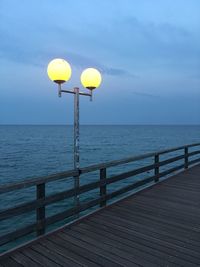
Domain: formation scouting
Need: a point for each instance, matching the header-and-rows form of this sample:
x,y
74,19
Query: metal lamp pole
x,y
76,92
59,71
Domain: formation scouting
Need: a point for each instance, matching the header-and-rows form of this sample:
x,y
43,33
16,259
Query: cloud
x,y
144,43
117,72
12,50
145,94
148,39
117,45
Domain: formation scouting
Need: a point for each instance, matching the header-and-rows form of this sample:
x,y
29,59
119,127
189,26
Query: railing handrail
x,y
36,181
132,159
66,174
154,169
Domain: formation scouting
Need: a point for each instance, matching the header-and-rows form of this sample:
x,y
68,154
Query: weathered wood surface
x,y
158,226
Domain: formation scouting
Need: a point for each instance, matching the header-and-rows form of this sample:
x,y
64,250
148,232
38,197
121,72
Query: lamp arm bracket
x,y
72,92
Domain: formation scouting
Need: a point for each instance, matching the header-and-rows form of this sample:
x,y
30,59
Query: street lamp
x,y
59,71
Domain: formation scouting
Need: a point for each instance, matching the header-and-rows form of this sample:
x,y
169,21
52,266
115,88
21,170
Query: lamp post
x,y
59,71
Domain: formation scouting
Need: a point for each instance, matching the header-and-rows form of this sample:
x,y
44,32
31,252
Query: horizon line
x,y
101,124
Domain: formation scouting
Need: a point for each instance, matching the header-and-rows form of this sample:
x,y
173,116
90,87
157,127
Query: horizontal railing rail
x,y
42,200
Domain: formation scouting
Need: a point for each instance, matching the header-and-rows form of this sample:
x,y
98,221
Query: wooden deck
x,y
159,226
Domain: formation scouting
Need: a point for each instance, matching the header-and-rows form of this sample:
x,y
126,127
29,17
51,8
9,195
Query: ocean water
x,y
34,151
31,151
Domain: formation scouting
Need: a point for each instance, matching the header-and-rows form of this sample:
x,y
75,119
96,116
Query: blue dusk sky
x,y
148,52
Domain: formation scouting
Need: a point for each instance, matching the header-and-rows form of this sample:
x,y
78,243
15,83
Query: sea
x,y
31,151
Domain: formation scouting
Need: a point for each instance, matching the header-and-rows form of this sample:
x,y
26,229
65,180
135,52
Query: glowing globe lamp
x,y
91,78
59,70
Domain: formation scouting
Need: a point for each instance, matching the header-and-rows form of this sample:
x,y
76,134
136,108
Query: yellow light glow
x,y
59,70
91,78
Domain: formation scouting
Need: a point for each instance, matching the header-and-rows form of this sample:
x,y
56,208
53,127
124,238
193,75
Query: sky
x,y
148,52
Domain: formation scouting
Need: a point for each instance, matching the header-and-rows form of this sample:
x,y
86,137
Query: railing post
x,y
76,194
103,186
40,212
186,157
156,170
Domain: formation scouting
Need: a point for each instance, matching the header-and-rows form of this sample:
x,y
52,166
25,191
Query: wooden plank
x,y
133,253
163,250
184,191
151,226
9,262
52,255
169,227
115,257
166,200
170,224
123,234
185,176
194,174
175,198
93,255
24,260
179,192
184,210
186,182
189,189
119,251
162,215
39,258
143,231
67,253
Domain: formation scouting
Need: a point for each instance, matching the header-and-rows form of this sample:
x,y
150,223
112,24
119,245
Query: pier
x,y
156,226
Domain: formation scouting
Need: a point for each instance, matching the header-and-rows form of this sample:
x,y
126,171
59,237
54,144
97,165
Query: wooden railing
x,y
41,201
